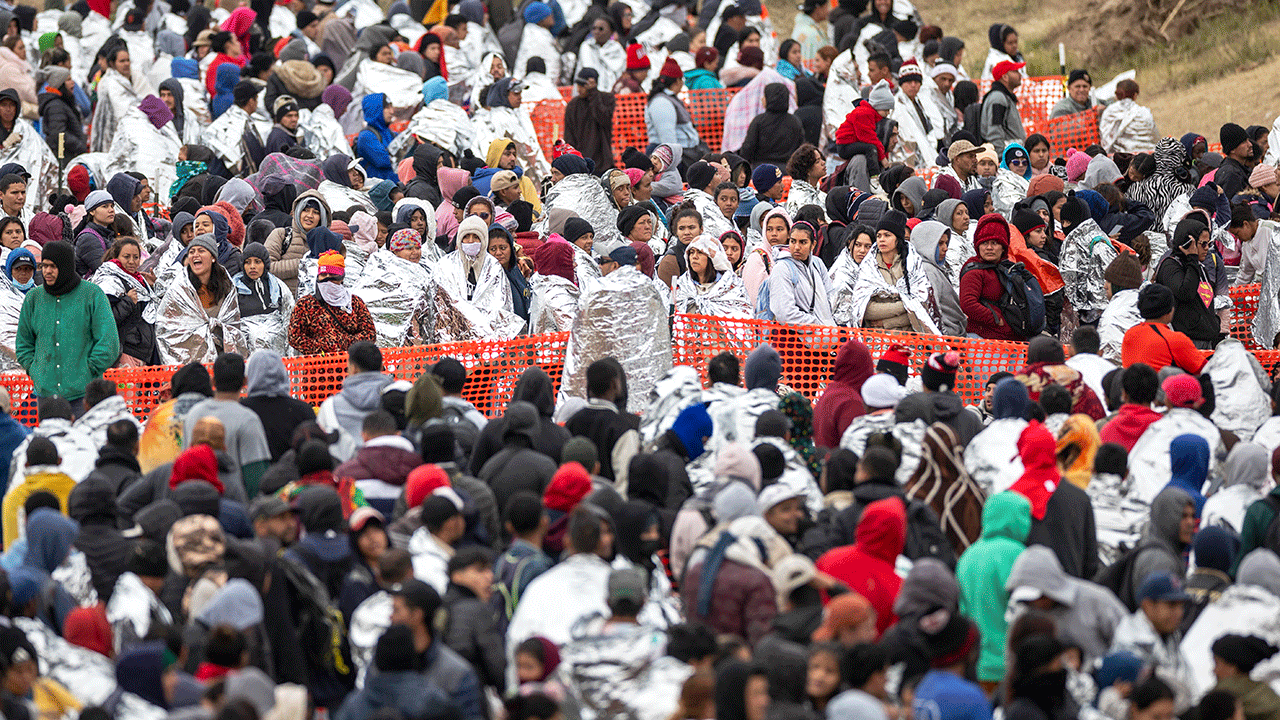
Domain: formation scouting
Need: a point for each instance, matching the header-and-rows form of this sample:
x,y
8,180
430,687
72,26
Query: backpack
x,y
330,574
1021,303
322,633
1118,576
465,432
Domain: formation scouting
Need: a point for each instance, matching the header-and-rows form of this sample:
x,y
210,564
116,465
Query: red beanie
x,y
78,182
636,57
570,484
671,70
196,463
992,226
899,354
423,481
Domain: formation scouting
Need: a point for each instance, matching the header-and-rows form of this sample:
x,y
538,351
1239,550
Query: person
x,y
946,690
931,240
1084,257
919,122
98,233
129,292
372,142
40,474
638,66
858,243
774,134
841,403
1139,386
201,308
709,286
505,250
613,430
472,630
787,301
397,685
1183,272
893,289
93,343
1079,98
857,134
361,394
1234,658
1001,119
332,319
518,466
524,559
117,95
1037,680
1062,515
1012,179
1233,175
588,117
1086,614
1151,633
738,595
866,567
1125,126
246,442
667,117
472,276
1124,282
703,75
60,117
1155,344
415,605
603,55
981,287
984,569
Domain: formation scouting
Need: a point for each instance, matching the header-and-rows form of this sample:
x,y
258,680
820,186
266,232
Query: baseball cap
x,y
1006,66
502,180
628,583
774,494
624,256
361,517
1162,587
267,506
791,572
586,74
960,147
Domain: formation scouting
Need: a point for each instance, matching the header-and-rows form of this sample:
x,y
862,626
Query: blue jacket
x,y
402,691
371,143
12,433
1189,461
481,178
227,77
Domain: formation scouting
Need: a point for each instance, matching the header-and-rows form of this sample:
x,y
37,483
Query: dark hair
x,y
373,51
114,55
114,251
1035,139
455,20
365,356
661,83
470,556
11,179
1112,195
225,646
122,434
785,48
1111,458
690,641
805,227
1141,384
802,161
97,390
55,56
600,377
1217,705
1113,387
725,186
40,498
436,511
1241,213
1055,399
686,211
524,512
53,407
42,451
219,282
534,706
1085,340
879,58
880,462
584,528
1144,163
394,565
724,368
1126,89
379,423
862,661
1149,692
228,372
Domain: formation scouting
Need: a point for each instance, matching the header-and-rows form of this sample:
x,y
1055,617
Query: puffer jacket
x,y
288,245
59,115
743,601
774,134
472,632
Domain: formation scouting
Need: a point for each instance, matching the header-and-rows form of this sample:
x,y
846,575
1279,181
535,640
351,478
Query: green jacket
x,y
1254,533
983,570
64,342
1259,700
702,79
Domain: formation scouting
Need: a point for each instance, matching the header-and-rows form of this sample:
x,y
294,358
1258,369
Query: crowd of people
x,y
225,187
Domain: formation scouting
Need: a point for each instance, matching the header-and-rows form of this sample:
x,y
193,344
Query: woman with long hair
x,y
199,316
129,292
709,286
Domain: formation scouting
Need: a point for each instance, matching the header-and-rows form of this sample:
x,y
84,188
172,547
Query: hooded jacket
x,y
267,395
1161,548
59,114
1128,424
1086,614
361,394
867,566
288,245
842,400
925,238
1062,518
981,289
107,552
983,571
425,185
774,134
371,144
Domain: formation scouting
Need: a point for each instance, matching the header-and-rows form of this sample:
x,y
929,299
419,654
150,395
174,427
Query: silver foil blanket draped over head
x,y
306,174
1241,389
488,306
186,332
582,194
10,309
25,147
137,146
441,123
622,316
554,306
399,295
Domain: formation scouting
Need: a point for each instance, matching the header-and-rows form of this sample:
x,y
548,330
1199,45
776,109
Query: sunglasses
x,y
482,215
1017,162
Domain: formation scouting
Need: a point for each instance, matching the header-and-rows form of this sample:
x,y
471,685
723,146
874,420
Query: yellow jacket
x,y
35,479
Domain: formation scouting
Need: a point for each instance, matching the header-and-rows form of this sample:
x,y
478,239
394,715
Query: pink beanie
x,y
634,175
1077,163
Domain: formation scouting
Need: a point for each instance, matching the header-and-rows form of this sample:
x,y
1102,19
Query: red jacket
x,y
860,126
1128,425
867,566
1159,345
842,400
978,286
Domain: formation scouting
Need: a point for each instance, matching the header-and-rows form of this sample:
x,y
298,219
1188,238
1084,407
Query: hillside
x,y
1221,70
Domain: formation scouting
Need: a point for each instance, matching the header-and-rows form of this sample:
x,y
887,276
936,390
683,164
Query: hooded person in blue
x,y
371,144
21,256
1189,460
50,535
227,74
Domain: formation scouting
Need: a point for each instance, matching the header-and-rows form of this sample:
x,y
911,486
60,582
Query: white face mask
x,y
472,249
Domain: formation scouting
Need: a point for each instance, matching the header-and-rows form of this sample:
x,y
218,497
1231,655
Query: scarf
x,y
187,169
133,275
335,295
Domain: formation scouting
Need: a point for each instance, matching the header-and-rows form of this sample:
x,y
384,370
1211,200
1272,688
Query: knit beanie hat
x,y
671,70
910,71
1041,184
1074,212
637,59
764,177
896,361
881,97
1026,221
895,222
1077,163
763,368
1154,300
700,175
536,12
1124,273
1262,175
205,241
96,198
575,227
992,227
706,55
939,372
332,263
1232,136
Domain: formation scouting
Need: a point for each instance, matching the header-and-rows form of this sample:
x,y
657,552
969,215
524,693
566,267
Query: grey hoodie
x,y
1165,554
925,239
1262,569
361,394
1086,613
266,375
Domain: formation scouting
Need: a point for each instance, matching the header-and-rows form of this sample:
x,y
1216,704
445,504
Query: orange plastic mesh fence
x,y
548,122
1078,130
1244,298
808,353
629,129
1036,97
707,108
493,367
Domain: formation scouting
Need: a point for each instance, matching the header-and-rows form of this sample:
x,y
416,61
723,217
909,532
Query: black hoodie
x,y
424,185
535,387
59,114
107,552
774,134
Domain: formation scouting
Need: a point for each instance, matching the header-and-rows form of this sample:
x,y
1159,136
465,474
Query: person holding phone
x,y
1182,271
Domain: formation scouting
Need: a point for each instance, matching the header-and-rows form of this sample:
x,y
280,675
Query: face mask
x,y
472,249
649,547
26,285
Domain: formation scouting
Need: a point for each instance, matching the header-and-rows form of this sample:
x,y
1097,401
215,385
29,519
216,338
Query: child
x,y
823,681
857,134
727,199
536,660
1116,675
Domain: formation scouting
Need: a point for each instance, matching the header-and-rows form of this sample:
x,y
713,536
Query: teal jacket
x,y
702,79
66,341
983,570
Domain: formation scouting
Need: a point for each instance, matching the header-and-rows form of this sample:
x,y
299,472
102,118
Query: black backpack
x,y
1022,301
1118,576
321,630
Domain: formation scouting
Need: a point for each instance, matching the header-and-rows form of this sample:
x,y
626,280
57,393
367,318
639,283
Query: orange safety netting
x,y
1078,130
707,108
1244,299
629,129
548,122
1036,98
493,367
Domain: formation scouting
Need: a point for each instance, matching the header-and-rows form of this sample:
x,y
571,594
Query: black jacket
x,y
424,185
588,126
59,114
280,417
1133,221
604,428
472,631
516,467
774,134
117,467
106,551
924,533
91,245
534,386
1183,274
1232,177
280,140
137,336
1068,530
